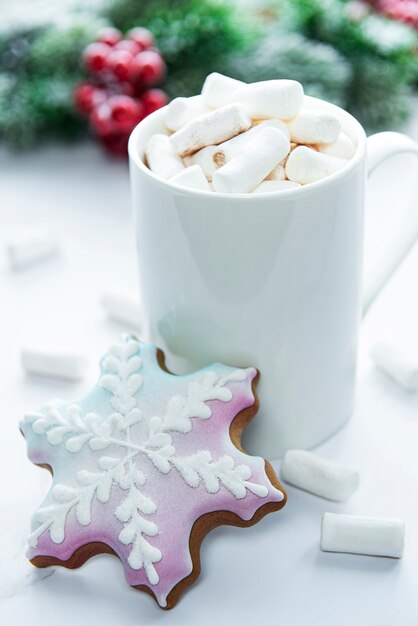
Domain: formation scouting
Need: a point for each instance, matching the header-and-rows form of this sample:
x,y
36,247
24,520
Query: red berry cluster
x,y
401,10
120,91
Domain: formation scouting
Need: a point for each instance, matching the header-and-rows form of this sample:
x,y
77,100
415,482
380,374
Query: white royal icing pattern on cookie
x,y
75,430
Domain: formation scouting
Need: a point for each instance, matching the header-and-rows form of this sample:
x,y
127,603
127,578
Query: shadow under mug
x,y
268,280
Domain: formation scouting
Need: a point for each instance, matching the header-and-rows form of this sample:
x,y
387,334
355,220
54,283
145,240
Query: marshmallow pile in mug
x,y
247,138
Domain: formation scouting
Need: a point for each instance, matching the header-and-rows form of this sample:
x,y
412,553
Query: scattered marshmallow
x,y
268,186
32,246
233,147
161,156
362,535
305,165
192,177
210,129
64,364
321,477
218,89
314,127
183,110
342,147
271,98
243,173
123,308
206,159
397,364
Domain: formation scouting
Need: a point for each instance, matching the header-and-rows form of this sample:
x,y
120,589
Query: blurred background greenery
x,y
359,55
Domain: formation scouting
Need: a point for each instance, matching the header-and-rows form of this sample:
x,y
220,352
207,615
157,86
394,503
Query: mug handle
x,y
380,147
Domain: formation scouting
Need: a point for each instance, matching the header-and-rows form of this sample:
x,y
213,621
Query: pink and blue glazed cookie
x,y
145,466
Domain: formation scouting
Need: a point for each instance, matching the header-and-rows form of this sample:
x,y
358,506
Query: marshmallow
x,y
305,165
271,98
398,365
209,129
243,173
31,246
192,177
314,127
54,363
267,186
319,476
233,147
205,158
342,147
122,308
161,156
278,173
362,535
218,89
182,110
284,161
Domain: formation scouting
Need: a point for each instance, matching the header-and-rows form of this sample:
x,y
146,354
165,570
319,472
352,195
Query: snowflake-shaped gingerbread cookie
x,y
144,466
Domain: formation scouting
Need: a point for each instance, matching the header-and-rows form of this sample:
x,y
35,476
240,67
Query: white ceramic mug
x,y
270,280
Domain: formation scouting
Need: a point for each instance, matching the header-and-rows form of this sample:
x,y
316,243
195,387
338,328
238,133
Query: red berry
x,y
142,37
87,96
109,35
129,46
119,63
153,99
101,120
116,143
147,67
95,55
125,112
127,89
